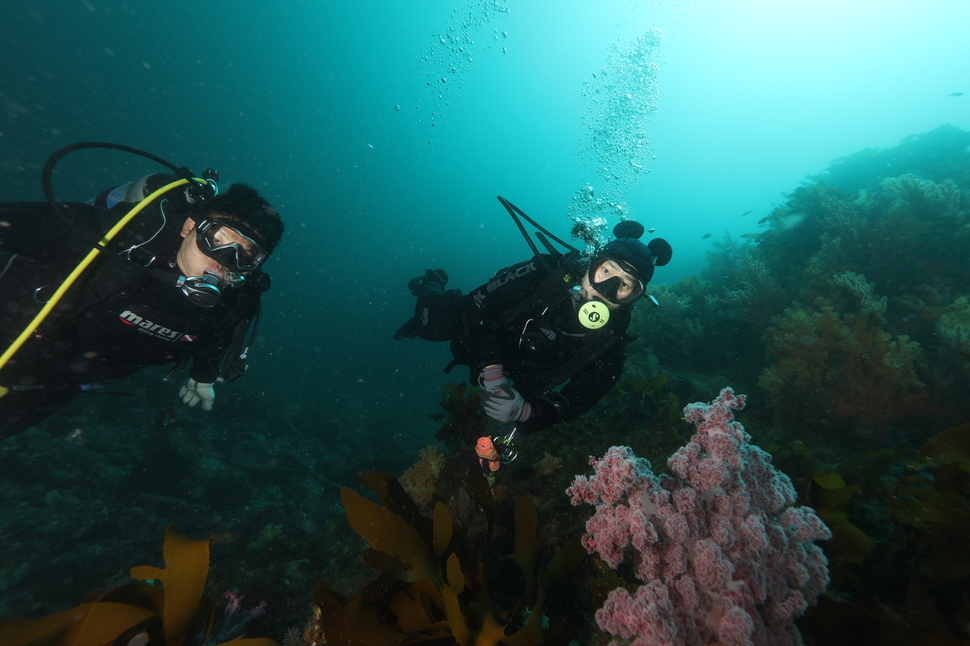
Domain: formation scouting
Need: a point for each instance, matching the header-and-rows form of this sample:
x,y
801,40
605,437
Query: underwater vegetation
x,y
850,307
432,587
899,563
846,317
848,314
167,609
462,421
865,373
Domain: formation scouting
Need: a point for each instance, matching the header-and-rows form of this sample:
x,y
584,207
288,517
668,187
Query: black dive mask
x,y
609,287
235,256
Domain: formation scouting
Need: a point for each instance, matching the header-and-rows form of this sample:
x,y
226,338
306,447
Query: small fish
x,y
705,236
955,94
651,229
744,214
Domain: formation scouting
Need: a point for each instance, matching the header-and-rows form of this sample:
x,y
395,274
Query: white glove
x,y
193,392
500,400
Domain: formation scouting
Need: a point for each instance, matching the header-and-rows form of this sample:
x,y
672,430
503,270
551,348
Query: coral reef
x,y
846,315
722,554
861,289
828,367
421,478
759,297
548,465
953,326
676,337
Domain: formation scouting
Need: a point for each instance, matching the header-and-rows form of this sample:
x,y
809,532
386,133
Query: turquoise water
x,y
384,130
338,112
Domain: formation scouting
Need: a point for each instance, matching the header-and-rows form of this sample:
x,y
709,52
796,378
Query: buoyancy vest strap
x,y
69,281
548,292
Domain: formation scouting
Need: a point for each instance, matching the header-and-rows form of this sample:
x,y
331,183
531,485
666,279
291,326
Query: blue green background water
x,y
383,132
337,112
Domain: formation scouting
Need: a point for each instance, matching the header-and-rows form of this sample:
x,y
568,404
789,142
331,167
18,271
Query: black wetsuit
x,y
524,319
114,321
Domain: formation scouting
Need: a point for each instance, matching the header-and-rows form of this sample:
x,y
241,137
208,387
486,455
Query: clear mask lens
x,y
610,287
238,256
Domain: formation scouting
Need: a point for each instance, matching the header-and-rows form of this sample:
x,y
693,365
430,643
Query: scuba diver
x,y
544,339
182,281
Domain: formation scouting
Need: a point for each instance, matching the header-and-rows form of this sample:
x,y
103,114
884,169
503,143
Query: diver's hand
x,y
493,379
504,407
500,400
194,392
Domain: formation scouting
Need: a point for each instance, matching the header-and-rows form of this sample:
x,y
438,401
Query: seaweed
x,y
463,421
168,609
908,585
431,585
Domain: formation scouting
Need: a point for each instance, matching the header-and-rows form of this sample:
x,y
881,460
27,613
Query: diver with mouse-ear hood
x,y
544,339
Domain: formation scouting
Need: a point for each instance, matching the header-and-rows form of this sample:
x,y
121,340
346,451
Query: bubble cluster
x,y
449,59
618,100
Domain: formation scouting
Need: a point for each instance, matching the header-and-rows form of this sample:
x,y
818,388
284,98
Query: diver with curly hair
x,y
185,283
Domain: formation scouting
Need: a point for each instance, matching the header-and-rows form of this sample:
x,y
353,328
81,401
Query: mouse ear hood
x,y
628,229
661,250
634,256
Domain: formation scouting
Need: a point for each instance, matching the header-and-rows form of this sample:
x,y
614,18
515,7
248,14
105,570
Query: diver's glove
x,y
500,400
194,392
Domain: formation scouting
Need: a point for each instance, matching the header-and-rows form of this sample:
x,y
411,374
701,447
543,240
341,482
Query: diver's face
x,y
191,260
608,269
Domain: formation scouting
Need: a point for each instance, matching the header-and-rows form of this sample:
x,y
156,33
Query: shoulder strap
x,y
550,290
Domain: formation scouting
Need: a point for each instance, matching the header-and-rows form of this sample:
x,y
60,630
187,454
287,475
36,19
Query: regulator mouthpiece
x,y
202,290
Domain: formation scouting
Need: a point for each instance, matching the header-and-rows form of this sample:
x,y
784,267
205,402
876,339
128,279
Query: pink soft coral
x,y
723,556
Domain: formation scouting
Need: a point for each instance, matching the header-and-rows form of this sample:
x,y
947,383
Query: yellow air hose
x,y
34,324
